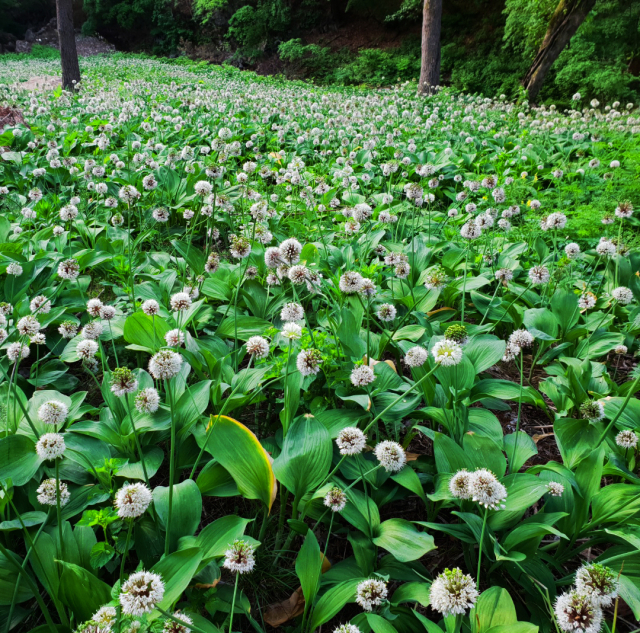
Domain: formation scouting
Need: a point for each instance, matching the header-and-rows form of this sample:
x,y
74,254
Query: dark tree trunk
x,y
430,64
564,23
67,42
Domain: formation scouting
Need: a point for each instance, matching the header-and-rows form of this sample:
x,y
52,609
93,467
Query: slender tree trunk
x,y
430,65
564,23
67,42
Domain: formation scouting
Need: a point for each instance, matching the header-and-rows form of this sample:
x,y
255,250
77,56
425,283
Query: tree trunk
x,y
564,23
430,64
67,42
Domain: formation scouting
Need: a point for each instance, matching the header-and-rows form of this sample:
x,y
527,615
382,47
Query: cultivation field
x,y
275,355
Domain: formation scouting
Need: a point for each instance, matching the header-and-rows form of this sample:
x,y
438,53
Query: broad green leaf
x,y
333,601
615,503
187,509
81,591
305,459
309,567
240,452
484,352
247,326
412,592
18,459
146,331
401,538
176,571
494,607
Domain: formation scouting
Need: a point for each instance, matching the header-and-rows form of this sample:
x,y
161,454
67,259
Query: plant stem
x,y
126,550
172,449
233,604
515,443
484,525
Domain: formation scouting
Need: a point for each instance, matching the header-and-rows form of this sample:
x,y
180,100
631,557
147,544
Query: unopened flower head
x,y
447,353
457,333
576,612
50,446
592,410
391,456
48,493
370,593
598,582
123,381
141,592
165,364
335,500
239,557
351,441
132,500
453,592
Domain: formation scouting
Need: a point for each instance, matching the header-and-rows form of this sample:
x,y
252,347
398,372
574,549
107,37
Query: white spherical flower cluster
x,y
572,250
391,456
123,381
453,592
17,351
597,582
370,593
165,364
575,612
539,275
627,439
292,312
132,500
416,356
104,617
48,493
258,346
447,353
362,375
141,592
87,349
239,557
309,361
481,486
350,282
351,441
150,307
53,412
555,489
335,500
147,400
347,628
50,446
622,295
171,626
386,312
292,331
174,338
180,301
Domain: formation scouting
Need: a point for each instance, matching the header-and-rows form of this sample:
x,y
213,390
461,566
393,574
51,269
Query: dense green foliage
x,y
361,355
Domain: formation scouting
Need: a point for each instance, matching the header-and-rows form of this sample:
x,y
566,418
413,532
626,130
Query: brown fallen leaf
x,y
281,612
411,457
540,436
202,585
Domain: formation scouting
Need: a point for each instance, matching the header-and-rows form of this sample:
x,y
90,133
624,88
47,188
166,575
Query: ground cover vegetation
x,y
323,359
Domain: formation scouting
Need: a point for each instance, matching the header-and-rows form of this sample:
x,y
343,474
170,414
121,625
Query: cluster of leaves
x,y
155,229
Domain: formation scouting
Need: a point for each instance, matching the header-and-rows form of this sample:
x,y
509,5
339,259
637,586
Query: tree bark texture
x,y
67,42
430,63
564,23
